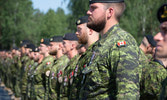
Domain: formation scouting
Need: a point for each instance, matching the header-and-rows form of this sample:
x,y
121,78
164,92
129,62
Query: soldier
x,y
54,46
38,58
24,58
15,76
39,75
70,43
114,69
27,66
30,87
159,75
60,63
87,37
148,45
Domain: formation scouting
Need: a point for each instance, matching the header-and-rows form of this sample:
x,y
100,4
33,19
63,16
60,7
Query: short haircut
x,y
118,7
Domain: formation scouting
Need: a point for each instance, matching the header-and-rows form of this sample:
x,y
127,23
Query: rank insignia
x,y
121,44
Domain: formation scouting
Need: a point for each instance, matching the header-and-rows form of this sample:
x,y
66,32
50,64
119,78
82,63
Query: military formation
x,y
101,61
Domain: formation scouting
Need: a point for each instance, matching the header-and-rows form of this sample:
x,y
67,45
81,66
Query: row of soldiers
x,y
100,61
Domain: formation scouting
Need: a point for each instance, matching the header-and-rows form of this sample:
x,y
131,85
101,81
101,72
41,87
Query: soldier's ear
x,y
73,46
90,31
110,12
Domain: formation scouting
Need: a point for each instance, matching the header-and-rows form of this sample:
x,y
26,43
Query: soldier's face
x,y
81,33
161,39
66,46
36,56
27,50
53,47
18,53
97,17
43,48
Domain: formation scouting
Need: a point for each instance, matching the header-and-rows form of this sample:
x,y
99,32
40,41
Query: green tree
x,y
15,21
139,18
78,9
55,23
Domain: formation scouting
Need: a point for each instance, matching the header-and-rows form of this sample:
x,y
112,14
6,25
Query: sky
x,y
45,5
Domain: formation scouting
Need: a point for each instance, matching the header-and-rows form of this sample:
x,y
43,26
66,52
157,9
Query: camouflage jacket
x,y
67,76
152,78
75,86
53,84
115,68
39,77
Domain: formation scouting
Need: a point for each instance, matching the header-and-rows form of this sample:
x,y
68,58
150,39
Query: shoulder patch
x,y
48,63
121,44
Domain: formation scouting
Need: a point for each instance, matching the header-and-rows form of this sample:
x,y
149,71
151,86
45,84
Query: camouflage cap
x,y
151,40
45,41
162,13
105,1
70,36
82,20
56,39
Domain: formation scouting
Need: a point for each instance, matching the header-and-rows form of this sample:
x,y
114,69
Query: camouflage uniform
x,y
30,86
152,78
68,77
24,60
114,70
163,95
46,78
16,75
39,82
75,86
24,78
53,84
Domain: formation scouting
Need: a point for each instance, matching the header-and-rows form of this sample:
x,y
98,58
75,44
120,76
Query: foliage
x,y
18,20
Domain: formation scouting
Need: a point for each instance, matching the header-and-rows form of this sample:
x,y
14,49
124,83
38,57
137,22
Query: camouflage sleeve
x,y
153,77
127,76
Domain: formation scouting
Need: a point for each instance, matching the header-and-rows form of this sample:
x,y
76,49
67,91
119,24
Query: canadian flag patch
x,y
48,63
121,44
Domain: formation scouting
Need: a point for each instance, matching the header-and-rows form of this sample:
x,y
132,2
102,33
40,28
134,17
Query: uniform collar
x,y
160,62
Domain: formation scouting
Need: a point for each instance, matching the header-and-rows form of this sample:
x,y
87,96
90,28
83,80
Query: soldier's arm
x,y
127,73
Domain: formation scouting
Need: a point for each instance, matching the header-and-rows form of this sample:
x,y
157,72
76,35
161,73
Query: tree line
x,y
19,20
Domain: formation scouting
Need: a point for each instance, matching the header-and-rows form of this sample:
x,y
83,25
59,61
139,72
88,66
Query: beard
x,y
53,52
83,39
97,25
